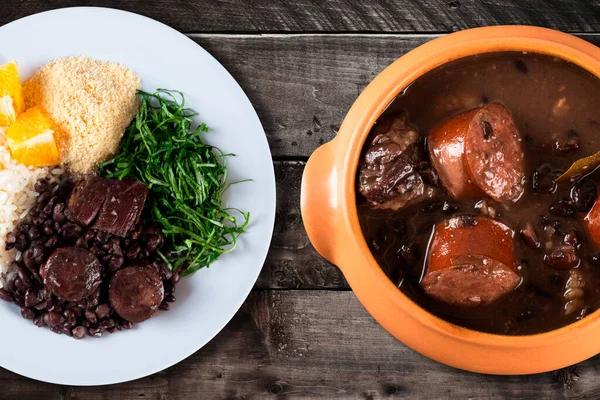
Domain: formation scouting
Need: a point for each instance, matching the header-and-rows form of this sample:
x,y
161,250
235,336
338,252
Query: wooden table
x,y
302,333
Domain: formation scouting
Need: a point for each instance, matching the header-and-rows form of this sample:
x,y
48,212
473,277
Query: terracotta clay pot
x,y
329,212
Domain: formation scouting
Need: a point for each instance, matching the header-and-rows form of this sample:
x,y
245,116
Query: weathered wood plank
x,y
340,15
314,344
302,86
293,263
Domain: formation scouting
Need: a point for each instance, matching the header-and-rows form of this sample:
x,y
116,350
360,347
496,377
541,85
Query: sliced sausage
x,y
136,292
122,208
86,199
72,273
592,222
480,152
109,205
470,262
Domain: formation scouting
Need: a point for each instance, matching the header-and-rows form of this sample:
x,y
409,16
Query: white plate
x,y
207,300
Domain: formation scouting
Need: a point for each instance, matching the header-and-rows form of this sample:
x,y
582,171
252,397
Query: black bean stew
x,y
64,276
458,199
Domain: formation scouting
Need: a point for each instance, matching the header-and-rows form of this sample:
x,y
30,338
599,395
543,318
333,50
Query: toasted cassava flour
x,y
92,101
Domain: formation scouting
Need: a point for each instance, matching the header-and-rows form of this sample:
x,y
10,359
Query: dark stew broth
x,y
555,106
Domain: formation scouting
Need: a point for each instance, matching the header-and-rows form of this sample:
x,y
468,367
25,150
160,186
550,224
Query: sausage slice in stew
x,y
479,152
471,262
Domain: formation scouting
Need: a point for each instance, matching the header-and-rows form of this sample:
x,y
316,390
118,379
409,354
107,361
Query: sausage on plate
x,y
72,273
470,262
479,153
136,292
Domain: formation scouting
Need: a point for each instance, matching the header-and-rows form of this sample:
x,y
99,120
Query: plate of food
x,y
137,196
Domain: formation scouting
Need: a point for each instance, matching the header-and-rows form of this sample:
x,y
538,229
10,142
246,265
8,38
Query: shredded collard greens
x,y
186,179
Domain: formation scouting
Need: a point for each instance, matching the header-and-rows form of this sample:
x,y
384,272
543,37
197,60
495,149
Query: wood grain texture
x,y
292,262
312,345
339,15
302,86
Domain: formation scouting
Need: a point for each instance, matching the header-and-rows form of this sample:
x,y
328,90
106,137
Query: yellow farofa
x,y
92,101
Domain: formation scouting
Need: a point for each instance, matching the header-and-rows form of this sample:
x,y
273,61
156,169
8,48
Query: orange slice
x,y
31,139
11,94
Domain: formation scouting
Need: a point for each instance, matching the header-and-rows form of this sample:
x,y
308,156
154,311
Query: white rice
x,y
17,196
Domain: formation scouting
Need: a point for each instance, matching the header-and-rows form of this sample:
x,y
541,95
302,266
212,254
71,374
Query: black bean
x,y
113,246
488,131
153,242
52,242
108,324
11,278
81,243
410,253
66,330
571,238
90,236
115,262
143,254
71,231
93,300
11,239
175,278
48,230
58,212
28,259
125,324
39,253
53,304
24,275
102,236
43,198
165,272
169,287
5,295
103,311
95,331
70,318
562,208
39,320
34,233
164,306
170,298
21,242
543,180
530,236
521,66
53,319
27,313
33,297
583,195
42,186
568,144
79,332
58,329
562,257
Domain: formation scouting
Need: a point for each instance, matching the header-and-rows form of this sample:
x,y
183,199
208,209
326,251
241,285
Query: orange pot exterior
x,y
328,205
